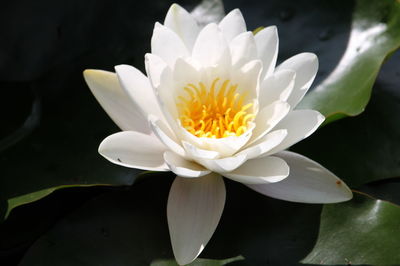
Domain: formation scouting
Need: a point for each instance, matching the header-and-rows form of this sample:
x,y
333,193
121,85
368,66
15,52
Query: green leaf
x,y
59,155
374,36
362,231
37,195
198,262
129,227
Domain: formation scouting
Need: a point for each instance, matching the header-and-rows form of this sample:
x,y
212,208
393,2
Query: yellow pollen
x,y
219,112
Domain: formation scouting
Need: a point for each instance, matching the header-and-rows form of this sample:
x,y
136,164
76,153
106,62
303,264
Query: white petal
x,y
249,78
277,86
166,44
243,49
260,171
267,119
306,67
194,209
134,150
232,24
185,72
155,66
138,87
182,167
223,165
299,125
108,92
307,182
195,152
224,146
183,24
267,47
161,79
211,48
165,135
265,144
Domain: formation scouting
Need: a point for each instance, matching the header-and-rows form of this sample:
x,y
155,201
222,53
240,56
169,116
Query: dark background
x,y
51,126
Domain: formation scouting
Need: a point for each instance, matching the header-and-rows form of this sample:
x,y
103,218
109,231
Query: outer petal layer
x,y
299,125
138,87
306,67
134,150
194,209
307,182
114,100
260,171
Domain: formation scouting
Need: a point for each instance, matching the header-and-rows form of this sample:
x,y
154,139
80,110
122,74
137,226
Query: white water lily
x,y
213,104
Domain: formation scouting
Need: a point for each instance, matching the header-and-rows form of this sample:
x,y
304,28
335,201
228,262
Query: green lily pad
x,y
362,231
375,35
130,228
59,155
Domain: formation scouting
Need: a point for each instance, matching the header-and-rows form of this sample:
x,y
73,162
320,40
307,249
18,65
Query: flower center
x,y
215,113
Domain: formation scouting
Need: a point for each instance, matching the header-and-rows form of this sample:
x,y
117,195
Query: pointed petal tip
x,y
273,27
236,11
175,5
320,118
158,25
311,55
268,30
147,56
176,8
346,192
101,147
87,72
312,58
121,67
92,73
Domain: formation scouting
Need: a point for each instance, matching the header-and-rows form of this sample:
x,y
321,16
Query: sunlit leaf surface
x,y
362,231
374,35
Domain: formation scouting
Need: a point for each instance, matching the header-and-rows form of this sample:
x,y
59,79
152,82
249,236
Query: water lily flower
x,y
214,105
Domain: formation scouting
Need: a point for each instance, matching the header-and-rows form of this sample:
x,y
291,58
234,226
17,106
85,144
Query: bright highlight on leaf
x,y
374,36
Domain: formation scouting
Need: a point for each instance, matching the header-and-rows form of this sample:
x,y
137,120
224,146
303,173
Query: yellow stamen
x,y
217,112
